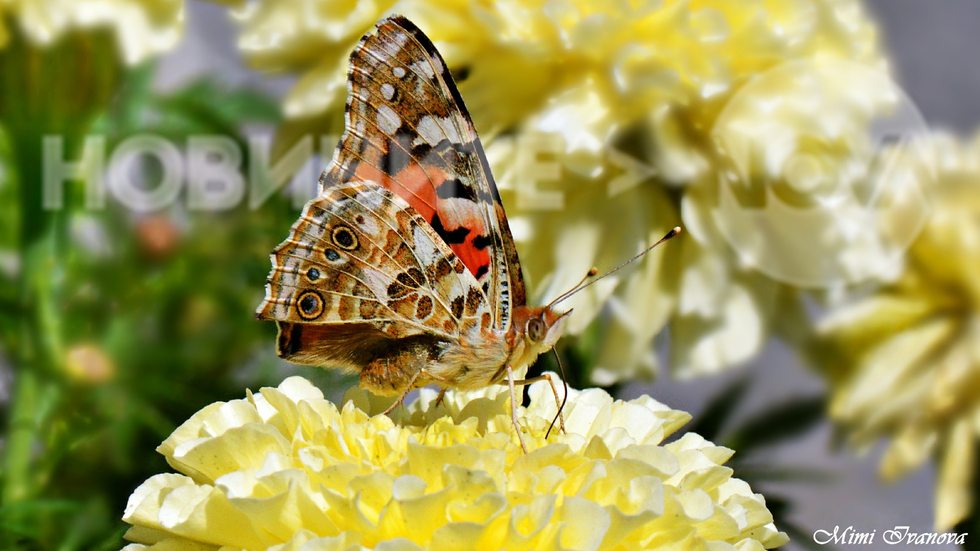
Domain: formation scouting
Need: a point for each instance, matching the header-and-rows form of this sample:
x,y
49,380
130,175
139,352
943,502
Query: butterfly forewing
x,y
408,130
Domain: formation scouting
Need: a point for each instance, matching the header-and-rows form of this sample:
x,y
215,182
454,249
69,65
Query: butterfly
x,y
403,267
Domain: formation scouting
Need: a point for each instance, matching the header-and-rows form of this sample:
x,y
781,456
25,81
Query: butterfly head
x,y
535,330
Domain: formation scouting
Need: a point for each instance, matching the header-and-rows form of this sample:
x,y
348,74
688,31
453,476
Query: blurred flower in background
x,y
88,363
285,468
904,361
142,27
598,121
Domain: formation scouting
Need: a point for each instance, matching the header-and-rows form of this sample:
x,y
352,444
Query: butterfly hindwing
x,y
408,130
361,257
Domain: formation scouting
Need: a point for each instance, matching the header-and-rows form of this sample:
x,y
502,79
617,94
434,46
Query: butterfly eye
x,y
309,305
536,329
344,238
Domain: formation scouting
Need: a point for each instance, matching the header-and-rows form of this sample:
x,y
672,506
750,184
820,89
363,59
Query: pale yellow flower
x,y
599,121
904,362
286,470
636,121
142,27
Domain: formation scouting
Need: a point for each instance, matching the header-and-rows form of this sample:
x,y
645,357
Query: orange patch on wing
x,y
473,258
411,184
417,186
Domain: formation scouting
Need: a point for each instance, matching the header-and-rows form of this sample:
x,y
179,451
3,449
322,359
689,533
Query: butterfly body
x,y
403,269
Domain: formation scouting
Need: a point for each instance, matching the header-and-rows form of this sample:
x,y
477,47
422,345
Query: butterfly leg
x,y
408,388
554,390
442,394
513,407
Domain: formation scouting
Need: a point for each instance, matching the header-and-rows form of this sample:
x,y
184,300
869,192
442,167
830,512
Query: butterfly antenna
x,y
582,285
592,272
564,399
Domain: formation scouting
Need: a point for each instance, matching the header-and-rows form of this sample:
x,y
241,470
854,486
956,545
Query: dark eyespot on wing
x,y
310,305
344,238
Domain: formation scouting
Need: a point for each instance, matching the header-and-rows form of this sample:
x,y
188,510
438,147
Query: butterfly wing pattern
x,y
364,283
404,261
403,268
408,130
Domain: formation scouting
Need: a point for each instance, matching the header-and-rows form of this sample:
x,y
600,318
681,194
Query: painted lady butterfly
x,y
404,268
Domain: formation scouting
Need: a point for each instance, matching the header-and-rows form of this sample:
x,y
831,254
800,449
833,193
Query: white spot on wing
x,y
425,249
370,198
370,226
388,120
388,91
399,72
429,130
438,65
423,68
433,130
399,39
377,281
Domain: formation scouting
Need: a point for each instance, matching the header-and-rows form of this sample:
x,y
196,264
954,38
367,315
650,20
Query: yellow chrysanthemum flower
x,y
904,362
142,27
598,119
286,470
636,124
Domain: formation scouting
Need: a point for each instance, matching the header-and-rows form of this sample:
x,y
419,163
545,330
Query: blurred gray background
x,y
935,51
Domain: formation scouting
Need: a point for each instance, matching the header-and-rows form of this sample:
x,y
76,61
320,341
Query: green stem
x,y
19,441
32,358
